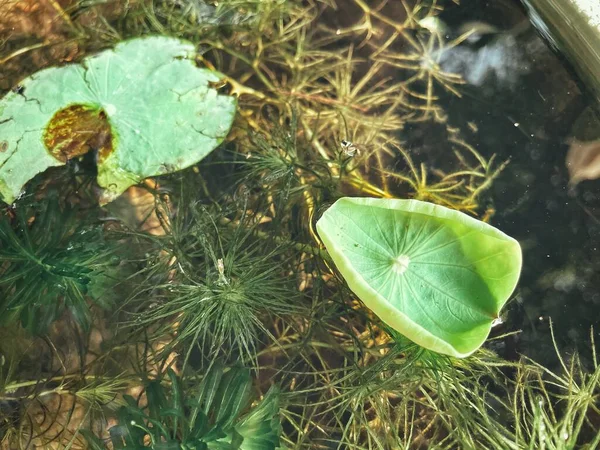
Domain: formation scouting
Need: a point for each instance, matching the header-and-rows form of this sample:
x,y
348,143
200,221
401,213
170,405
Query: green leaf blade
x,y
436,275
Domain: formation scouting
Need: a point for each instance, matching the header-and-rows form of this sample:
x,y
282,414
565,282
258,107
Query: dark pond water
x,y
526,104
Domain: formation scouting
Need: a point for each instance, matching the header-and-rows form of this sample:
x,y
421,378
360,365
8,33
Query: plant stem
x,y
305,248
14,386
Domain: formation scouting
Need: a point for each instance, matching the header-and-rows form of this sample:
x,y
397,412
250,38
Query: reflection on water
x,y
500,62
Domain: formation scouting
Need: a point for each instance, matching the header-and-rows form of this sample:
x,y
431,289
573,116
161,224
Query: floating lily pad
x,y
145,107
436,275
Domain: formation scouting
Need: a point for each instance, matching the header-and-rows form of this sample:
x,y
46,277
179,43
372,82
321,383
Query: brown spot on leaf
x,y
75,130
3,146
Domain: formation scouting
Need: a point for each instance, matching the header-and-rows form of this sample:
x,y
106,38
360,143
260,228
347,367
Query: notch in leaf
x,y
434,274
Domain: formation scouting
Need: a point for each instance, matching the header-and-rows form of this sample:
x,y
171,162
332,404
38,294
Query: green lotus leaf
x,y
436,275
145,107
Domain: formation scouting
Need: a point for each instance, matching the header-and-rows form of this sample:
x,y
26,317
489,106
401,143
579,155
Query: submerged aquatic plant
x,y
211,414
221,282
51,261
238,252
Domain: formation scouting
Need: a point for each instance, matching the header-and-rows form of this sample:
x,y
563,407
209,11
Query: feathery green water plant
x,y
272,163
354,71
399,395
218,278
405,398
394,394
436,275
144,116
557,409
50,260
52,385
210,414
340,93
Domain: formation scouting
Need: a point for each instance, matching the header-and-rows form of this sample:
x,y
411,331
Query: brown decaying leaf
x,y
583,161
